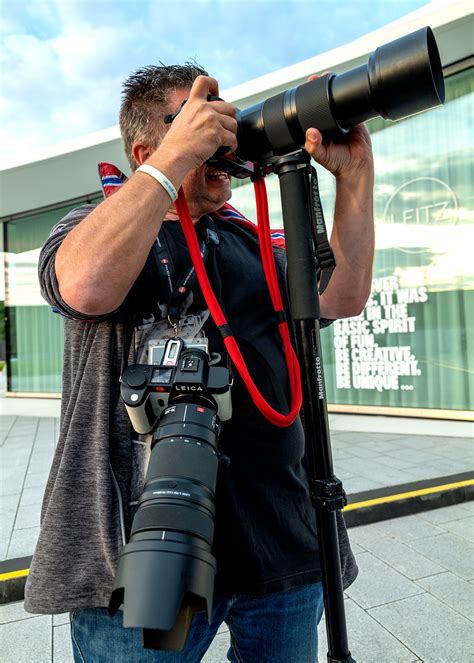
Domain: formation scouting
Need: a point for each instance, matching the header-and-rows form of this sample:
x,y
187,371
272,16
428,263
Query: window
x,y
413,345
34,333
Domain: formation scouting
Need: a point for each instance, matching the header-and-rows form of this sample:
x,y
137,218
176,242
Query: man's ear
x,y
141,152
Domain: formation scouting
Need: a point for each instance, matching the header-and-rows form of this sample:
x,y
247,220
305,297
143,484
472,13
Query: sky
x,y
62,62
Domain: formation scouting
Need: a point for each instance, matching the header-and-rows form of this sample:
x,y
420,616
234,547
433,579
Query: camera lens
x,y
166,571
401,78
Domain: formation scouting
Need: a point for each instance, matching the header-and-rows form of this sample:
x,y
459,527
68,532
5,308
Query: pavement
x,y
413,599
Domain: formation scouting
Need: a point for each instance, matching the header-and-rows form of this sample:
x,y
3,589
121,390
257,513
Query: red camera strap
x,y
268,260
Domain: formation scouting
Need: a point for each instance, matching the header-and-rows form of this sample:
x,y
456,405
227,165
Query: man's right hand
x,y
200,128
99,260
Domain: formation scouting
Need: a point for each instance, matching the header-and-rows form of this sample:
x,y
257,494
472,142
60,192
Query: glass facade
x,y
412,346
34,333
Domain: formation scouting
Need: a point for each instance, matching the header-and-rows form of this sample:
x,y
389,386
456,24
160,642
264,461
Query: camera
x,y
178,370
166,570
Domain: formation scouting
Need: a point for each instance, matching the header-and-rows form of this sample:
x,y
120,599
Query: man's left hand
x,y
352,157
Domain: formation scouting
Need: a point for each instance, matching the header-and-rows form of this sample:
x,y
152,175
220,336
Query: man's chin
x,y
218,200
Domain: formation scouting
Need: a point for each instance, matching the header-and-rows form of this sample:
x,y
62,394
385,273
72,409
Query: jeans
x,y
276,628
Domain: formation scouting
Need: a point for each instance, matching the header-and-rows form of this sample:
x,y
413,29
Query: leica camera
x,y
178,370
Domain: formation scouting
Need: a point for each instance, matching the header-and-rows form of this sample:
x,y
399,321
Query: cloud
x,y
63,61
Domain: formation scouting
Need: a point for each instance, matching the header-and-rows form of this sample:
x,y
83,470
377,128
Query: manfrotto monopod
x,y
326,490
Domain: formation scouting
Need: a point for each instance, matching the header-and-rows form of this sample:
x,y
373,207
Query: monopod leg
x,y
326,491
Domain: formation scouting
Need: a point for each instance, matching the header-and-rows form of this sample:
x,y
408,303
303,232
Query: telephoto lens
x,y
166,571
401,78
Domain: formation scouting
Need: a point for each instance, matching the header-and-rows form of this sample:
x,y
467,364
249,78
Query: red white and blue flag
x,y
111,178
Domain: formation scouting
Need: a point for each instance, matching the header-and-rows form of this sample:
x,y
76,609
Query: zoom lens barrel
x,y
401,78
166,571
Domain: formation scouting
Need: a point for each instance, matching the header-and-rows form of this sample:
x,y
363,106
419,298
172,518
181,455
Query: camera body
x,y
179,371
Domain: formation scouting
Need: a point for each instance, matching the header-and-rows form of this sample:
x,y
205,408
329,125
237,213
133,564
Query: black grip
x,y
175,517
294,187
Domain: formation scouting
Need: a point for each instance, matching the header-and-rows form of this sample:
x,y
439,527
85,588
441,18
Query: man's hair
x,y
144,102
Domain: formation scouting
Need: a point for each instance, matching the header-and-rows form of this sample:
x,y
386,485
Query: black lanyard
x,y
177,288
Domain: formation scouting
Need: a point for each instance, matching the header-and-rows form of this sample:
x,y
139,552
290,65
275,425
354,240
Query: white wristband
x,y
161,178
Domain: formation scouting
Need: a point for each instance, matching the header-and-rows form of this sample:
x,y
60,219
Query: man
x,y
97,268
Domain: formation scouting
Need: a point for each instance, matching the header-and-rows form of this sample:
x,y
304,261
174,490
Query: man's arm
x,y
352,237
100,259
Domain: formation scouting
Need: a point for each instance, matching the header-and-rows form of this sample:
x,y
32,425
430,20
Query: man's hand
x,y
350,158
201,127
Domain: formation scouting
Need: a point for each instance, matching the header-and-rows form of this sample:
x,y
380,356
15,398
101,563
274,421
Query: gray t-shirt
x,y
76,556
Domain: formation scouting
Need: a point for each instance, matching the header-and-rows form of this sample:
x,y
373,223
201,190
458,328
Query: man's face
x,y
206,188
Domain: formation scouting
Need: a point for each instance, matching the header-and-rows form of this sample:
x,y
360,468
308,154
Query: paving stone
x,y
343,452
404,559
371,471
409,528
27,641
9,505
223,628
429,628
418,442
6,528
59,620
21,436
32,496
446,514
6,422
453,552
13,612
417,457
45,444
421,472
368,641
22,442
40,462
12,458
355,547
62,647
10,487
36,479
452,590
395,462
23,542
359,451
463,527
14,475
43,451
456,452
358,484
380,445
343,475
364,534
444,467
378,583
28,516
217,652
